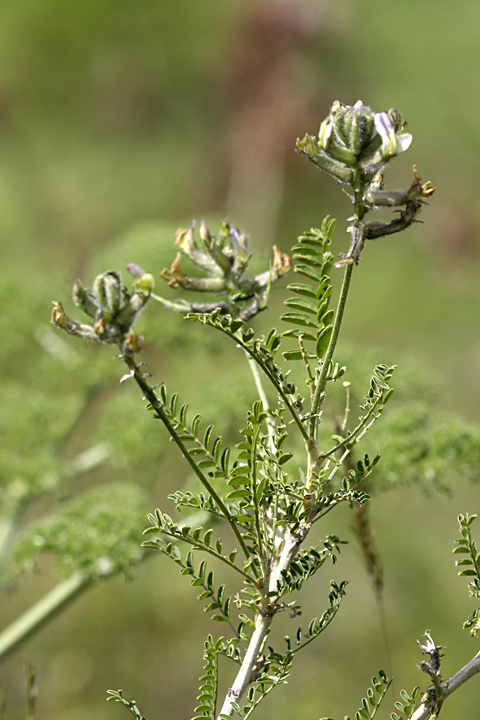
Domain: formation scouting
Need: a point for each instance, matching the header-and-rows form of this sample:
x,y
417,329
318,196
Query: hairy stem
x,y
291,545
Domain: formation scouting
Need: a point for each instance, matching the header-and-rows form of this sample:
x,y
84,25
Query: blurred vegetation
x,y
120,121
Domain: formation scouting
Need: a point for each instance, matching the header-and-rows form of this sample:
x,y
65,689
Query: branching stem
x,y
425,710
263,621
278,388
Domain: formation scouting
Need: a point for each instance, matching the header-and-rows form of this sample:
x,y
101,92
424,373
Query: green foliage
x,y
163,523
307,563
426,449
96,534
374,698
470,567
269,672
318,625
206,450
209,680
406,707
312,316
117,696
38,469
199,577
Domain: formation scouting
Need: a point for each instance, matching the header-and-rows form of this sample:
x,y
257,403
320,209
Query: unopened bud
x,y
113,291
354,126
83,300
205,234
310,146
107,289
135,270
146,283
129,313
224,233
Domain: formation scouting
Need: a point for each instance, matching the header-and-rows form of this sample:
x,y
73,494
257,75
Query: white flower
x,y
392,144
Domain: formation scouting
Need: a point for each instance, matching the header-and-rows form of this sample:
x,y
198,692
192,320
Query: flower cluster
x,y
223,260
354,145
354,138
111,307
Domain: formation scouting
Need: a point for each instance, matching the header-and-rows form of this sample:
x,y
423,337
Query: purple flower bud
x,y
135,270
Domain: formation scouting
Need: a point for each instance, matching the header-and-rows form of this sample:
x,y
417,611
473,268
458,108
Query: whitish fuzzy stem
x,y
290,548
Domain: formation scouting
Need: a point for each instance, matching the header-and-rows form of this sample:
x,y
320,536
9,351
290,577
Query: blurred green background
x,y
121,120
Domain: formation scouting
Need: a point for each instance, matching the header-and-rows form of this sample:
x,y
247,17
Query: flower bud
x,y
107,289
113,291
135,270
129,313
310,147
146,283
205,234
354,126
83,300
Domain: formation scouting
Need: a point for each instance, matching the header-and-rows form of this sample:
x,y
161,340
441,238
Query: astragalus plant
x,y
272,494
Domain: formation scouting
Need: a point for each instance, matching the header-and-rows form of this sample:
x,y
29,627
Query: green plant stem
x,y
180,306
157,406
275,384
322,380
257,506
352,436
263,397
42,612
